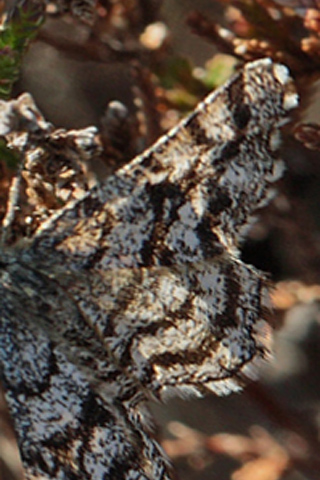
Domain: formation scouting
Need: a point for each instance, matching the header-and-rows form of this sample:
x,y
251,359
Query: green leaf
x,y
20,27
8,156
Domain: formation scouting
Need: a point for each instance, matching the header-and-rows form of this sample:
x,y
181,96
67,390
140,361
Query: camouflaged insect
x,y
133,289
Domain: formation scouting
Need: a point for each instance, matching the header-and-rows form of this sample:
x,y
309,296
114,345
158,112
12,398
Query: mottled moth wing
x,y
137,290
151,257
77,416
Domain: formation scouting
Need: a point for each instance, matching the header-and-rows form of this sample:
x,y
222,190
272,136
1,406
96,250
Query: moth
x,y
134,290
